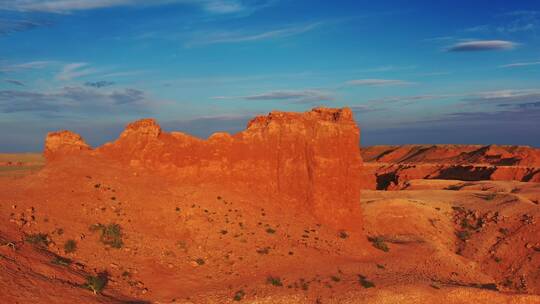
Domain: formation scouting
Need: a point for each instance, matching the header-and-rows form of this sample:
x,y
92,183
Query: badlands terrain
x,y
290,210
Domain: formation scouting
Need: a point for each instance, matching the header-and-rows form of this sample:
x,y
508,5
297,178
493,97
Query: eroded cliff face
x,y
63,143
309,162
392,167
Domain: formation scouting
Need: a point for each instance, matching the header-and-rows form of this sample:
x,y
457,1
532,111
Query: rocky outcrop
x,y
494,155
309,162
62,143
391,167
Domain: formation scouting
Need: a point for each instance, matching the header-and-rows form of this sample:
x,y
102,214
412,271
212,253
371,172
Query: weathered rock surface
x,y
391,167
307,161
62,143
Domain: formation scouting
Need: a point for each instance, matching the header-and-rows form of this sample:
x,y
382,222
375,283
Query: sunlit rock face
x,y
309,162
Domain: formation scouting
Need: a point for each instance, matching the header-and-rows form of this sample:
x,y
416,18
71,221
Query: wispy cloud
x,y
290,95
510,23
67,6
413,98
504,96
15,82
98,84
386,68
243,36
482,45
376,82
25,66
74,100
75,70
520,64
11,26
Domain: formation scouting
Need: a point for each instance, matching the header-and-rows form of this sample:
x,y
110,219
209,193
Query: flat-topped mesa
x,y
62,143
309,162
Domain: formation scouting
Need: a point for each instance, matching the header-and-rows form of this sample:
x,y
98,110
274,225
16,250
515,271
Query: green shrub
x,y
378,242
365,282
70,246
110,235
270,230
275,281
239,295
96,283
343,234
463,235
58,260
39,239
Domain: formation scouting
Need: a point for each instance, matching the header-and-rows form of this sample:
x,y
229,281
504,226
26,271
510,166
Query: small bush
x,y
463,235
199,261
70,246
110,235
275,281
96,283
239,295
378,242
343,234
39,239
58,260
270,230
365,282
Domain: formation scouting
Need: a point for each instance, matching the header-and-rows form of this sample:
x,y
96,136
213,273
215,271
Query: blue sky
x,y
412,71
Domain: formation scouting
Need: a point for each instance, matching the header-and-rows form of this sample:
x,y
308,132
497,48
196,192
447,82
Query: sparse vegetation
x,y
487,197
378,242
275,281
58,260
463,235
239,295
343,234
110,235
38,239
96,283
70,246
365,282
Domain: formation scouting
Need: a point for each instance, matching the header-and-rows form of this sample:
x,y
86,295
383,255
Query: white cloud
x,y
482,45
242,36
67,6
292,95
519,64
25,66
75,70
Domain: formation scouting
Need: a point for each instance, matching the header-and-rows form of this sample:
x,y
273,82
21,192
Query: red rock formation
x,y
309,162
61,143
391,167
